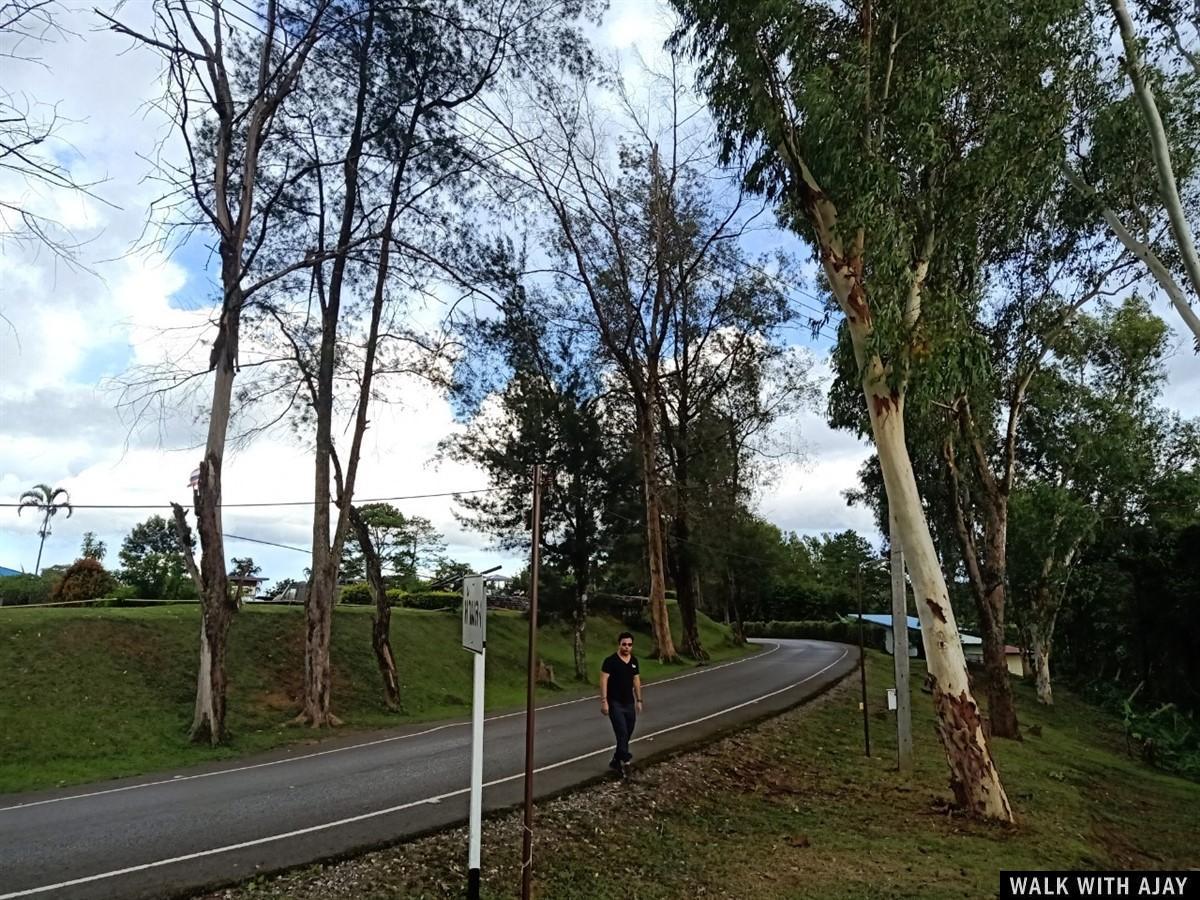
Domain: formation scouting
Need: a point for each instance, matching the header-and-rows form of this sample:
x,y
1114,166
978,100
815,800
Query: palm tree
x,y
43,497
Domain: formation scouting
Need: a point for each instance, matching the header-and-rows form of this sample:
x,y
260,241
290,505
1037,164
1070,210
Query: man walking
x,y
621,698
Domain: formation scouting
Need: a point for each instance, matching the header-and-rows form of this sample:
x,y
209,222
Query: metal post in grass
x,y
904,745
862,664
531,683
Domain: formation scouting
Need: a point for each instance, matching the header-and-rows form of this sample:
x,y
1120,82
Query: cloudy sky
x,y
71,331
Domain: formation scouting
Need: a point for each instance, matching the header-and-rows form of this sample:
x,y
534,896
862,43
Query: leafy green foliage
x,y
410,548
948,121
151,561
92,548
26,588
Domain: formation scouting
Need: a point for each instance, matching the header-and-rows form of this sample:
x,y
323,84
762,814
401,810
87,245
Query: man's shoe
x,y
616,766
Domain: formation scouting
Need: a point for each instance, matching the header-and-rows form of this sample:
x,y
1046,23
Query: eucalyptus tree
x,y
1094,442
1031,292
1136,142
890,135
49,502
226,87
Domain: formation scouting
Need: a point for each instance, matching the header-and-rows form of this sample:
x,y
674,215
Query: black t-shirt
x,y
620,678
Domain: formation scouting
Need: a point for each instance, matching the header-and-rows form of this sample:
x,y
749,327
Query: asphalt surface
x,y
160,836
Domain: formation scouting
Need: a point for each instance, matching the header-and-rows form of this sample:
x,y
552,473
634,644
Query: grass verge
x,y
793,808
87,694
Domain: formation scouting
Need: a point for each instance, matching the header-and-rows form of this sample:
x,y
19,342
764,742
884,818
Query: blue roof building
x,y
972,645
5,572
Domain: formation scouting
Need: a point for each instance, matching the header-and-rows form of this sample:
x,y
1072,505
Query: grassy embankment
x,y
792,808
98,693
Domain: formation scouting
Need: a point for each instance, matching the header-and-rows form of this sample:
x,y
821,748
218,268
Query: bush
x,y
430,599
16,590
356,594
874,636
85,580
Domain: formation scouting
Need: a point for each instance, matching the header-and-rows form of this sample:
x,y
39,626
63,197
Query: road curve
x,y
168,834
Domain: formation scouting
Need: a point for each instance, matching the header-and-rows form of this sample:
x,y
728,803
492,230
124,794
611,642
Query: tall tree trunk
x,y
1047,600
327,542
687,585
974,778
660,622
1167,190
1145,253
1002,709
733,604
37,566
382,622
986,574
580,636
1041,664
318,632
217,606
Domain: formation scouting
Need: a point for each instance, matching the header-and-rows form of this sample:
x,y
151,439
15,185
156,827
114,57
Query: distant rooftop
x,y
914,624
5,571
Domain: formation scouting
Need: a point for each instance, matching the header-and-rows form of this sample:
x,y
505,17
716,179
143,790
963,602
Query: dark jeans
x,y
623,717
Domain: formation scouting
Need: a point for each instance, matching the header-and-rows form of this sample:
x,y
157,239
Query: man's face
x,y
625,647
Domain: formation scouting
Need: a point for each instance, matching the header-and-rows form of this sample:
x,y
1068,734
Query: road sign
x,y
474,614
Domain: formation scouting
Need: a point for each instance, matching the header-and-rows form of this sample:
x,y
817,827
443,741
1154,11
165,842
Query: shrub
x,y
1165,738
357,594
431,599
20,589
840,632
86,579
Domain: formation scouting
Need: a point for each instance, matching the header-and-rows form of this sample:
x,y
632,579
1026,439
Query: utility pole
x,y
862,664
531,684
904,749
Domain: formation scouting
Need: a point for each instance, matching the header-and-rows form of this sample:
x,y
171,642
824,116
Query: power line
x,y
238,537
75,506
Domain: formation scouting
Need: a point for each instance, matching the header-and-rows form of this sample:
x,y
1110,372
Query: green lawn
x,y
792,808
98,693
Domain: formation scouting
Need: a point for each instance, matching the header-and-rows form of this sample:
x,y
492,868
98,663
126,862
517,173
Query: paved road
x,y
160,836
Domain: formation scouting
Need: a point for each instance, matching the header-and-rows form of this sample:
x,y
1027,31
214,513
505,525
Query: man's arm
x,y
604,693
637,690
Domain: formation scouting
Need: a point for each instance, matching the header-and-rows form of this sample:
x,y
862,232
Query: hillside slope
x,y
100,693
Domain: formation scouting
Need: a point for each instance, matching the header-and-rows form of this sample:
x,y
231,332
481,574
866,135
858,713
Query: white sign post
x,y
474,638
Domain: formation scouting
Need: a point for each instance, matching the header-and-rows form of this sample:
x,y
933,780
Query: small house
x,y
245,587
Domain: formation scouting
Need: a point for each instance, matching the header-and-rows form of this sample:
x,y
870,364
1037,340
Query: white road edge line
x,y
403,806
179,779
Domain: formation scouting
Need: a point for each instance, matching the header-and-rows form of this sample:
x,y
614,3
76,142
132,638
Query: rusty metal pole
x,y
527,838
